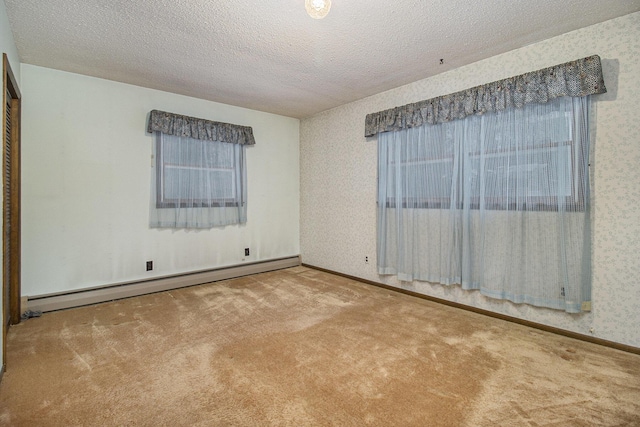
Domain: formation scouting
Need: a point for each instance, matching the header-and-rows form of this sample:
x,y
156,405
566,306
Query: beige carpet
x,y
299,347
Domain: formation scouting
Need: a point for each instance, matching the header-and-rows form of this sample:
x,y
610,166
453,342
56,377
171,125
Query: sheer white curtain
x,y
197,183
498,202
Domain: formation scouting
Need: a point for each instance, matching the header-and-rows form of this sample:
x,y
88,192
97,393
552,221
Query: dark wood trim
x,y
528,323
10,86
15,190
11,83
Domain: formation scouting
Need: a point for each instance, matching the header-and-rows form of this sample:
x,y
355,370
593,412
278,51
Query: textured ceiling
x,y
271,56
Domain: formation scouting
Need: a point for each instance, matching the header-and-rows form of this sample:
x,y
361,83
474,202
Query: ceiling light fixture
x,y
317,9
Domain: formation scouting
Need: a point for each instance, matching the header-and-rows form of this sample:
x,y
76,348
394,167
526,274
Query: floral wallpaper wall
x,y
338,179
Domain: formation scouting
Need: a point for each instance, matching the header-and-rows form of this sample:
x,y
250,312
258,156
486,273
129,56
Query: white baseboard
x,y
112,292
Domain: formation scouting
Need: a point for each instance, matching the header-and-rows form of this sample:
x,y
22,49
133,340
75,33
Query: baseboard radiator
x,y
60,301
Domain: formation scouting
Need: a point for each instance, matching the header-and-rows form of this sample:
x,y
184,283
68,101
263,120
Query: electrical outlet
x,y
246,251
149,265
366,260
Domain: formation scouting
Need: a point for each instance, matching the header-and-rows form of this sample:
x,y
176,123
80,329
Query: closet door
x,y
11,203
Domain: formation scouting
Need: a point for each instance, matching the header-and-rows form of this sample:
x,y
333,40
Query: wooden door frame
x,y
10,84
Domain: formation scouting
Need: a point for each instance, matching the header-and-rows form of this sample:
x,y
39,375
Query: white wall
x,y
86,176
8,46
338,179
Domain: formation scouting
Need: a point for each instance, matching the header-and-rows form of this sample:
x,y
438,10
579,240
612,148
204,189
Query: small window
x,y
194,173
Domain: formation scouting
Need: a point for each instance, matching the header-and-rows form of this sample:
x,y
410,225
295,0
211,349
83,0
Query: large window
x,y
524,159
497,202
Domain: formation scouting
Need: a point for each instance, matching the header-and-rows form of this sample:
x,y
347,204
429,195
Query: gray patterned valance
x,y
576,78
175,124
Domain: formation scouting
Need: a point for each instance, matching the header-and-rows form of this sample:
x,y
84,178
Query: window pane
x,y
535,176
198,184
191,152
